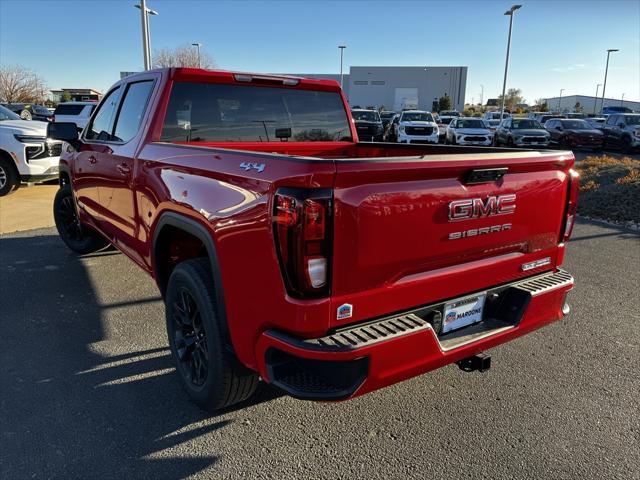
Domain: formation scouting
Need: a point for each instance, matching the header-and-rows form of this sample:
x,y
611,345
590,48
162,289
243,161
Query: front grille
x,y
45,150
475,139
424,131
366,129
534,139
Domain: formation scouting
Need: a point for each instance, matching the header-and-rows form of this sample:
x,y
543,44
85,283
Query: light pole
x,y
510,13
146,41
622,100
560,100
606,70
481,97
341,47
197,45
595,100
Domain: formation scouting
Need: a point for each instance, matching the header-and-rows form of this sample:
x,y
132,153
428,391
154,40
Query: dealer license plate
x,y
463,312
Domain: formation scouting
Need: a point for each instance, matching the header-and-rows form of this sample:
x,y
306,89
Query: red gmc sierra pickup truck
x,y
287,250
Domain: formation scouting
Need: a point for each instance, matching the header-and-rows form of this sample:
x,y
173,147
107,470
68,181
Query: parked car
x,y
492,124
323,268
386,117
443,123
26,154
574,133
610,110
521,132
391,131
495,116
596,121
622,130
28,111
74,112
368,125
542,118
417,126
575,115
449,113
469,131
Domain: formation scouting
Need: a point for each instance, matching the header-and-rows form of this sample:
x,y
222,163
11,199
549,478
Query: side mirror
x,y
621,125
65,131
559,127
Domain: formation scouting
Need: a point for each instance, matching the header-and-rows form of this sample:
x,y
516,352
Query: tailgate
x,y
396,247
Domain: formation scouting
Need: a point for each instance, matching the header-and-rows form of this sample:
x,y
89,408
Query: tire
x,y
26,115
626,144
9,179
79,238
510,142
211,375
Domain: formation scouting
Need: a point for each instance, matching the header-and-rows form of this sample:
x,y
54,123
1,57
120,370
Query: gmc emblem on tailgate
x,y
477,208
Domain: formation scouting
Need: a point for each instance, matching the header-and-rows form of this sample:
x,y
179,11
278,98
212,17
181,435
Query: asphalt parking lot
x,y
87,388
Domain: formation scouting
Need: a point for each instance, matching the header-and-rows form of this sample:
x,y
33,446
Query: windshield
x,y
207,112
470,123
366,115
416,117
522,123
450,113
39,109
633,119
387,115
576,125
493,123
6,114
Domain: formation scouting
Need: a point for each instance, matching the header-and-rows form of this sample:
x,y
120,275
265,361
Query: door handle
x,y
92,160
123,168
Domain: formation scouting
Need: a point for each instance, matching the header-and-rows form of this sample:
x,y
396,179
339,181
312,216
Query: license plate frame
x,y
462,312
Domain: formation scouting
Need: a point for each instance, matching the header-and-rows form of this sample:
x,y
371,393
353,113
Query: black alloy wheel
x,y
79,238
190,339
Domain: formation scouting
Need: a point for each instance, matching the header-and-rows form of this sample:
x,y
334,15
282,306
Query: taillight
x,y
572,204
302,230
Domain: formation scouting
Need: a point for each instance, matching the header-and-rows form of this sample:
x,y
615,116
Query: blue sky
x,y
556,44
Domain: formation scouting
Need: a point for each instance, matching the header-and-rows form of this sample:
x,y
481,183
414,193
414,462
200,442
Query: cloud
x,y
570,68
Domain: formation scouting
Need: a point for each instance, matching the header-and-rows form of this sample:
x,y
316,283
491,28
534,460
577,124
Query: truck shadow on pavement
x,y
87,386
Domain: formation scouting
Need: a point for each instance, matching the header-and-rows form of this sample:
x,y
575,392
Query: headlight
x,y
29,138
401,128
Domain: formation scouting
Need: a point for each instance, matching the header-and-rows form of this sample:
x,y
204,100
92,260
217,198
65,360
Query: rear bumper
x,y
372,355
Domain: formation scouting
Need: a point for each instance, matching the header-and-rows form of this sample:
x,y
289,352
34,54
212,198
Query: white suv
x,y
417,126
25,152
74,112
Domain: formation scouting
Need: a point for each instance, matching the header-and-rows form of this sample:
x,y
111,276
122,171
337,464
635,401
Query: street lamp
x,y
606,70
481,98
197,45
622,100
560,100
595,100
510,13
341,47
146,41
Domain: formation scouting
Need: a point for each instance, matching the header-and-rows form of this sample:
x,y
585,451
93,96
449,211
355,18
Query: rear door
x,y
409,231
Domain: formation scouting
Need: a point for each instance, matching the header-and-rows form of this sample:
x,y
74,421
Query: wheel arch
x,y
170,222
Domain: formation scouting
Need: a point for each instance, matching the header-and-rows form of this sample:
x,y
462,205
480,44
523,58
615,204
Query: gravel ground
x,y
87,388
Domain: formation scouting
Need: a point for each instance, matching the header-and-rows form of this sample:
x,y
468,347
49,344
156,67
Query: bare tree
x,y
21,85
182,56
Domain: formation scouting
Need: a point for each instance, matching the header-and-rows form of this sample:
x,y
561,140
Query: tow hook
x,y
480,363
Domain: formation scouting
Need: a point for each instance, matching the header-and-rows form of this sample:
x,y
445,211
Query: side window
x,y
132,110
102,124
611,120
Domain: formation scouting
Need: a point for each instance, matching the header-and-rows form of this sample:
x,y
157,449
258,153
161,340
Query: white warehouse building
x,y
395,88
589,104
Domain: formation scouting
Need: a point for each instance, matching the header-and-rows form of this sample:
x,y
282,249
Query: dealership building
x,y
395,88
589,104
